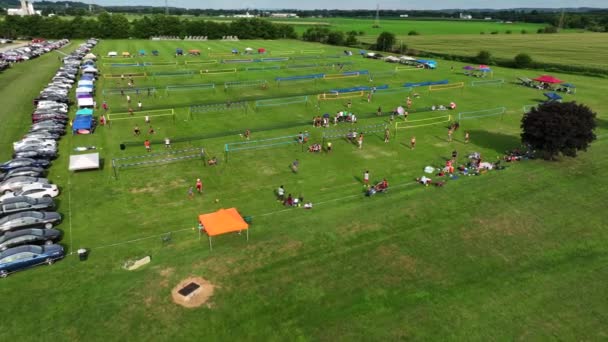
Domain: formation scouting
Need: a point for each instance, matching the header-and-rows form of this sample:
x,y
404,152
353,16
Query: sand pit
x,y
192,292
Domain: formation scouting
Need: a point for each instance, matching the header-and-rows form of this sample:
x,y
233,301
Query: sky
x,y
359,4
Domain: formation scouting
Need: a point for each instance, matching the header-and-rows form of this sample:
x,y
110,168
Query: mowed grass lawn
x,y
512,254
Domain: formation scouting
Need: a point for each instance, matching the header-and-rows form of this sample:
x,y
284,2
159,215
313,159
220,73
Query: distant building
x,y
283,15
404,16
27,8
487,18
466,16
246,15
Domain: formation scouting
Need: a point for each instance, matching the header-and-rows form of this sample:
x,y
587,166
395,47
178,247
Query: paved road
x,y
5,47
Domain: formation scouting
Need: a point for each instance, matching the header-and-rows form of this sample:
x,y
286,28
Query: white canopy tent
x,y
86,102
87,161
90,56
112,54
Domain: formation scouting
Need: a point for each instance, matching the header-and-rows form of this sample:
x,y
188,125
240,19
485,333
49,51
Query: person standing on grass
x,y
408,103
199,185
467,137
130,111
413,143
136,130
281,193
366,177
379,111
147,145
104,105
360,140
247,134
147,118
122,77
122,92
450,133
128,98
387,135
190,192
167,142
295,165
369,97
454,156
139,105
329,146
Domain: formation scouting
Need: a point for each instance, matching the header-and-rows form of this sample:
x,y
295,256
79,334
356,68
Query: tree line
x,y
117,26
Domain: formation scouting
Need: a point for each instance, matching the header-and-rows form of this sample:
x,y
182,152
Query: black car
x,y
23,203
21,162
22,257
29,237
30,171
26,219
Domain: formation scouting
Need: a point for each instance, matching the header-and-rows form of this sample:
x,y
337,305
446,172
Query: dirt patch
x,y
149,189
197,298
167,271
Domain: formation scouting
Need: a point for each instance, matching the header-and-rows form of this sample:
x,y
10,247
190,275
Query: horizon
x,y
353,5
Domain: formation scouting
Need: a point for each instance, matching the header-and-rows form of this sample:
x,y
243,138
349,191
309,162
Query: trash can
x,y
83,254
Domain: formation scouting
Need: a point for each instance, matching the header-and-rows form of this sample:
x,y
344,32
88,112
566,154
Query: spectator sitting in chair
x,y
288,201
424,180
212,161
314,148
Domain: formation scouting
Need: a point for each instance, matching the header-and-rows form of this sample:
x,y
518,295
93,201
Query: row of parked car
x,y
27,206
32,50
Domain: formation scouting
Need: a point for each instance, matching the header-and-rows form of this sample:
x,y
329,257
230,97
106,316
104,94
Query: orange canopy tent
x,y
222,221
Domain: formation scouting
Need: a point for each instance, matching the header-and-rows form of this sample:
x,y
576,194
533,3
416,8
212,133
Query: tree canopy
x,y
555,128
385,41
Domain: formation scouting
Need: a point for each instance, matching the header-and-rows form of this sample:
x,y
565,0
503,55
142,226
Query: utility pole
x,y
560,26
377,21
166,7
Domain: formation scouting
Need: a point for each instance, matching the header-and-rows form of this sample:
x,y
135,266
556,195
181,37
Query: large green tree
x,y
556,128
385,41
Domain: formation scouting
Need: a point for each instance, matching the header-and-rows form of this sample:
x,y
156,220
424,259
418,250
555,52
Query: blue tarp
x,y
358,72
360,88
303,77
82,122
85,111
424,84
428,62
553,96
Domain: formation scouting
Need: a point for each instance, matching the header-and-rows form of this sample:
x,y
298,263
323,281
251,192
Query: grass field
x,y
513,254
581,49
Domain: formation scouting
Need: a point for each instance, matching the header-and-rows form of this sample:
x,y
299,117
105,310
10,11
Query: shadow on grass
x,y
498,142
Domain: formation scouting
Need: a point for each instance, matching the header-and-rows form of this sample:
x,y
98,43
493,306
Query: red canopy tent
x,y
222,221
548,79
261,50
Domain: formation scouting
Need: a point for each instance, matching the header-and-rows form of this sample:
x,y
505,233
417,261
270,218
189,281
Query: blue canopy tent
x,y
142,52
235,51
87,77
553,97
362,52
428,63
179,52
82,124
154,52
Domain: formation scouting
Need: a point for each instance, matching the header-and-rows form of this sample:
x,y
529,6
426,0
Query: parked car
x,y
35,190
43,135
16,183
26,219
43,152
24,203
29,171
21,162
29,236
22,257
33,141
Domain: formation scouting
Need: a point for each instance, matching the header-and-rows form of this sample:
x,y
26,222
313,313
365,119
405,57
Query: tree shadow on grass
x,y
601,124
498,142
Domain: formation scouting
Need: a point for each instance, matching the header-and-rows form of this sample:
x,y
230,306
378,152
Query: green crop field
x,y
513,254
580,49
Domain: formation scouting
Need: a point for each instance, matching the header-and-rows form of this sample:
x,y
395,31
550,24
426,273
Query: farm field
x,y
513,254
404,26
581,49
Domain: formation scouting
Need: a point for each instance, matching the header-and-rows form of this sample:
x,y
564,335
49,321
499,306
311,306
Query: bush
x,y
550,29
522,60
508,32
484,57
482,32
540,30
494,32
524,31
413,33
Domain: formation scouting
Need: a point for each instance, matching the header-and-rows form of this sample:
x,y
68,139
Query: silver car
x,y
16,183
